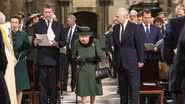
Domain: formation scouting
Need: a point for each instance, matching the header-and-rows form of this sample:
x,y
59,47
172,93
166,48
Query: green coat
x,y
20,46
87,84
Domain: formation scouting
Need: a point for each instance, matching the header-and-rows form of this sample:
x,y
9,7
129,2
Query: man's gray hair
x,y
2,18
122,11
72,17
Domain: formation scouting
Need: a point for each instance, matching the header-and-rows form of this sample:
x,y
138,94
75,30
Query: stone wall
x,y
10,7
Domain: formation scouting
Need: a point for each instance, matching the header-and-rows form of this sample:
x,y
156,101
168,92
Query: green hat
x,y
85,30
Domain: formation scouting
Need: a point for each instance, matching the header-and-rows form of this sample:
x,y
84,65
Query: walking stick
x,y
77,75
61,78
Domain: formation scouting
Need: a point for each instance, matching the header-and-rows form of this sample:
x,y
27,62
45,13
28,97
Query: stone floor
x,y
110,95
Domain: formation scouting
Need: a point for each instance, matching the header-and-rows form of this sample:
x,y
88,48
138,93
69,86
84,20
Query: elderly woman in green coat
x,y
87,52
20,44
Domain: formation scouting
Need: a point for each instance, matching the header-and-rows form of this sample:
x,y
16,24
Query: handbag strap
x,y
20,57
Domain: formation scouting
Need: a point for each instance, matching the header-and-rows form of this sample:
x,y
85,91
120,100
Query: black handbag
x,y
103,69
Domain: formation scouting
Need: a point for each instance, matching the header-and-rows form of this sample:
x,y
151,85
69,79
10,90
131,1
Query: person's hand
x,y
53,43
81,60
37,41
155,49
140,64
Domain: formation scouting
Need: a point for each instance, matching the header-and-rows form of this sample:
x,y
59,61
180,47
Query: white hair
x,y
2,18
122,12
72,17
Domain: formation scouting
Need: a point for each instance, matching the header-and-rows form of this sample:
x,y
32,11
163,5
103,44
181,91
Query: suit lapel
x,y
143,29
53,26
125,34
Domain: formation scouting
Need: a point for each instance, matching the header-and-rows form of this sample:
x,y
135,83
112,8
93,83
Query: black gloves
x,y
92,59
79,60
83,60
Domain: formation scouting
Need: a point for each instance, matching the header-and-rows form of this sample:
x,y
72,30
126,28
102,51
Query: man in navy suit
x,y
71,36
129,52
48,56
152,35
150,71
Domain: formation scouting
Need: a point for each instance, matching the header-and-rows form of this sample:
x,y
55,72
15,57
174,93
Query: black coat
x,y
50,55
179,62
130,50
171,38
3,61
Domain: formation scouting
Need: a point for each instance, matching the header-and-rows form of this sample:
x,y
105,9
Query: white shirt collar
x,y
149,25
51,21
145,25
125,24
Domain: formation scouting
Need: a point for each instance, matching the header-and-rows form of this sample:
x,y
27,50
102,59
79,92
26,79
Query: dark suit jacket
x,y
75,35
180,60
3,61
153,37
171,38
130,50
173,31
50,55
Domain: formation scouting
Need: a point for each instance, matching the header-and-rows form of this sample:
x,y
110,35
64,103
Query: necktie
x,y
48,23
147,31
122,31
69,38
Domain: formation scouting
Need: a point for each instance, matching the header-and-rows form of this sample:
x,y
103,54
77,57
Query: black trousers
x,y
129,85
66,73
48,85
4,96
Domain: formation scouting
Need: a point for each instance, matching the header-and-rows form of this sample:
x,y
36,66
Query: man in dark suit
x,y
171,38
4,96
180,66
129,52
150,71
71,36
48,56
152,55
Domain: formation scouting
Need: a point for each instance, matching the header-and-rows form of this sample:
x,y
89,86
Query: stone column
x,y
5,7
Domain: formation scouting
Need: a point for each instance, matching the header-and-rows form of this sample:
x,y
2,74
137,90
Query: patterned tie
x,y
48,23
69,38
122,31
147,31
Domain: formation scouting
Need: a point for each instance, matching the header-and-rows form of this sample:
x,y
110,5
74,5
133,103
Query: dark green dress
x,y
20,46
87,84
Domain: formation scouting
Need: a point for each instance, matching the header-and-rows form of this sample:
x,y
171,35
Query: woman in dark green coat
x,y
20,43
87,52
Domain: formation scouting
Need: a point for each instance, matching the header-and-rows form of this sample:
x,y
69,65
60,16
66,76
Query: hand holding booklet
x,y
44,41
151,46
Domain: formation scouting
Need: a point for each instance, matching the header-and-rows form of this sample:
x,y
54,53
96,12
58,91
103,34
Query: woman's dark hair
x,y
158,19
17,17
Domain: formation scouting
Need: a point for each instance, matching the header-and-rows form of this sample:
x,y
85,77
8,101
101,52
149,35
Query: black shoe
x,y
72,88
64,89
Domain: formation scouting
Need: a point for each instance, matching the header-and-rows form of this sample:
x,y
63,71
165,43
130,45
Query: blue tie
x,y
147,31
69,38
